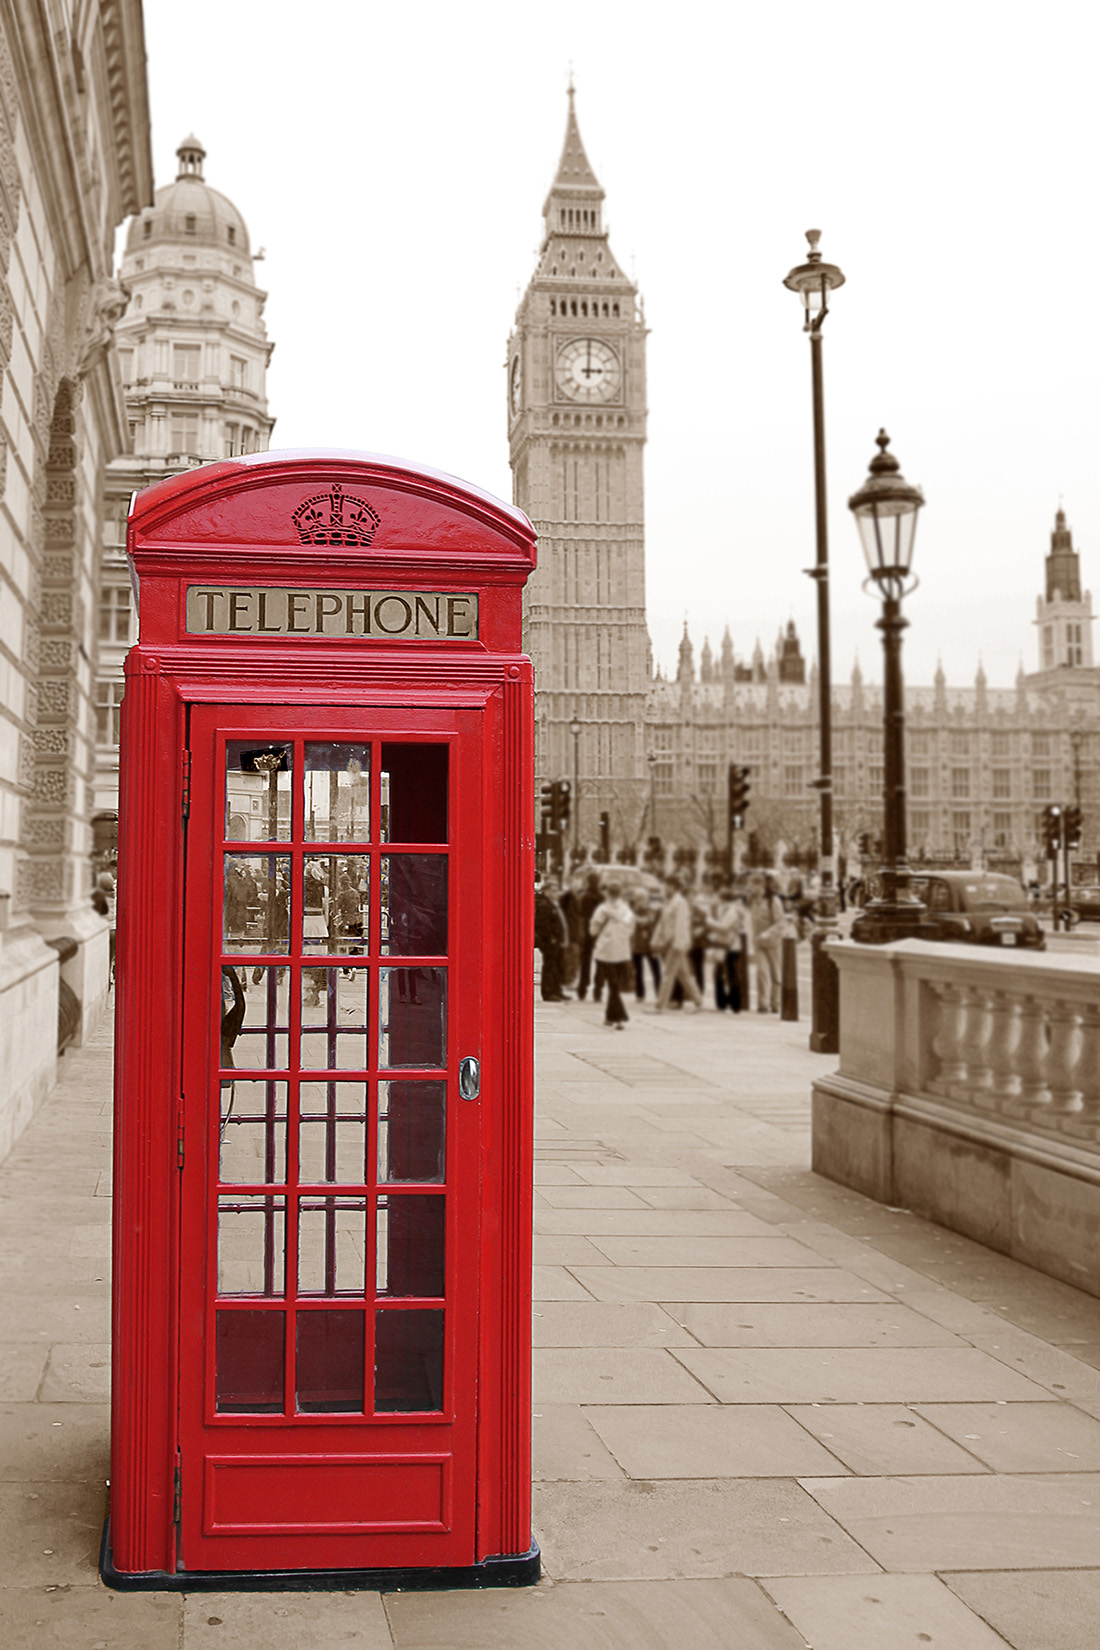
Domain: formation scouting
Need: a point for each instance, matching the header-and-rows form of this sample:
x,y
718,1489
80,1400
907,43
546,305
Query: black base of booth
x,y
511,1570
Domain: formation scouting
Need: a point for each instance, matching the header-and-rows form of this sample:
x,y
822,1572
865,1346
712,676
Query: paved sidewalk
x,y
769,1412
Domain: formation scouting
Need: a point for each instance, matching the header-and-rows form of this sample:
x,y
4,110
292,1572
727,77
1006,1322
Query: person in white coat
x,y
612,924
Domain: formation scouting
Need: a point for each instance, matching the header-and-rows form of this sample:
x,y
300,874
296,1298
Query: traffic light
x,y
1052,828
548,807
738,795
561,788
605,836
1072,827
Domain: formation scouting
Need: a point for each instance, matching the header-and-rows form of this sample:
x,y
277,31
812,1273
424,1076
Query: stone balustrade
x,y
968,1090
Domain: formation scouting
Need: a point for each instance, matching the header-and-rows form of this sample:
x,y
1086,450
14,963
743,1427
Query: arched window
x,y
189,223
615,311
231,231
584,306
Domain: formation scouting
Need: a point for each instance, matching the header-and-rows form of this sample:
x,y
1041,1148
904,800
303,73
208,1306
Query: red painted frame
x,y
232,524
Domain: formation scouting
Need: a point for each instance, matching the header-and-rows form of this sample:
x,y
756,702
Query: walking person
x,y
730,936
550,938
768,926
673,938
589,902
645,920
611,927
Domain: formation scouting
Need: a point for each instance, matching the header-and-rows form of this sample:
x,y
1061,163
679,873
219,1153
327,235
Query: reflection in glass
x,y
253,1131
256,908
412,1010
249,1363
257,790
414,793
332,1139
332,1247
251,1240
408,1361
337,784
411,1120
331,1362
409,1258
334,903
334,1019
255,1019
414,905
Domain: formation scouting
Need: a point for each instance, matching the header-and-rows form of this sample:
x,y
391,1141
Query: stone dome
x,y
189,210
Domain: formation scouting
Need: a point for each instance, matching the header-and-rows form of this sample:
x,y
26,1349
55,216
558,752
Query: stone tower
x,y
577,429
1064,617
194,351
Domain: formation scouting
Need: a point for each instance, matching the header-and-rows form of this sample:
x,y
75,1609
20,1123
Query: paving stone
x,y
883,1438
991,1522
765,1324
1058,1368
589,1197
600,1615
565,1445
885,1613
684,1197
594,1323
554,1283
732,1441
1021,1437
762,1375
69,1441
647,1531
22,1366
629,1174
68,1316
284,1621
50,1531
78,1373
594,1375
1035,1609
566,1251
659,1226
555,1174
744,1283
704,1251
65,1617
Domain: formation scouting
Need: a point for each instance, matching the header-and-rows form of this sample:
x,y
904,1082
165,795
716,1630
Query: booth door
x,y
329,1232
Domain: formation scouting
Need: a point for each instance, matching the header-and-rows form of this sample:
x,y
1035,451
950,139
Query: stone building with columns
x,y
75,161
193,352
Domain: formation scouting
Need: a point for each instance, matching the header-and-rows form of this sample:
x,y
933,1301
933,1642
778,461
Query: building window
x,y
108,698
1002,781
1048,647
960,830
662,778
147,228
189,223
918,744
920,825
114,527
708,778
960,782
919,781
126,365
232,233
1002,830
237,369
1040,783
876,778
662,739
960,744
1040,744
793,783
232,438
114,611
185,433
186,364
999,744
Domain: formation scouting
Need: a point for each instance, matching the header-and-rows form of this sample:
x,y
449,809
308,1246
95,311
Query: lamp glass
x,y
887,528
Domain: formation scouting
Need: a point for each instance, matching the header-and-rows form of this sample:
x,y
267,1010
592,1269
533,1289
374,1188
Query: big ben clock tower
x,y
576,422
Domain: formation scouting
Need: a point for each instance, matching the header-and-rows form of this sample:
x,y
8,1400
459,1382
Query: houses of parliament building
x,y
652,751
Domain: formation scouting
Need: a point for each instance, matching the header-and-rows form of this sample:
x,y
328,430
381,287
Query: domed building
x,y
193,351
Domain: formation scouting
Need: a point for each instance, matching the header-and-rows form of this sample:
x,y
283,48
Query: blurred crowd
x,y
617,932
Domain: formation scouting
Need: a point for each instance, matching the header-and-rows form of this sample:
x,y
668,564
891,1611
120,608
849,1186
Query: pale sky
x,y
394,162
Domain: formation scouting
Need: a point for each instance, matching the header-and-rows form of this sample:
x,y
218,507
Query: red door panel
x,y
328,1304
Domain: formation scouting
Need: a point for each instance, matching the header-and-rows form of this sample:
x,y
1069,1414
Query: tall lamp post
x,y
575,729
813,281
652,760
886,509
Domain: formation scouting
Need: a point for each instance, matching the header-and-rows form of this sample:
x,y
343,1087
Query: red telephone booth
x,y
324,1083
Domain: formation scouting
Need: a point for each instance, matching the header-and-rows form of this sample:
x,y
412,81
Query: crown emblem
x,y
335,518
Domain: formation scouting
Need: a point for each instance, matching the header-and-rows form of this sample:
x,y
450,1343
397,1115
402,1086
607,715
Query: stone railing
x,y
969,1090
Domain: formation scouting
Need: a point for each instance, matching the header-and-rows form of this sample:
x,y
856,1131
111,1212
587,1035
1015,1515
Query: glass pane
x,y
253,1131
411,1120
410,1245
257,791
249,1363
251,1239
255,1019
331,1362
337,793
414,905
334,903
408,1361
412,1008
257,903
332,1139
334,1018
332,1246
414,793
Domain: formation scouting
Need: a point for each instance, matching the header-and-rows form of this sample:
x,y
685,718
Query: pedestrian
x,y
612,926
590,898
729,934
768,927
672,939
641,946
550,938
315,929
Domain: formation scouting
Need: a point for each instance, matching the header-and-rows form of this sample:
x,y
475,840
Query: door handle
x,y
469,1077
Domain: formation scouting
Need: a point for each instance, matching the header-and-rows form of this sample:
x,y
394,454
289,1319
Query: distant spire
x,y
1063,565
576,189
686,671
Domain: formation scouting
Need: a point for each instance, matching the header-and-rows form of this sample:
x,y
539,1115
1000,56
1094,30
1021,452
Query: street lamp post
x,y
652,760
886,509
814,280
575,730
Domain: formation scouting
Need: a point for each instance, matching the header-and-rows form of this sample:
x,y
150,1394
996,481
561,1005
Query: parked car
x,y
977,908
1086,903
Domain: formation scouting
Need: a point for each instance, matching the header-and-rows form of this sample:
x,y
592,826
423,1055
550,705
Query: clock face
x,y
588,370
515,385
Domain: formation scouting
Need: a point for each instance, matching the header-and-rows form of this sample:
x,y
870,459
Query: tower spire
x,y
575,191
